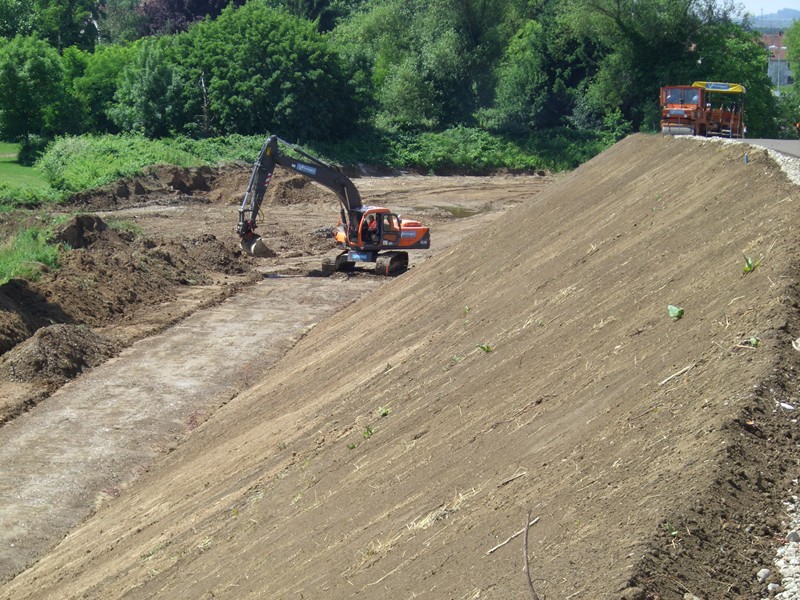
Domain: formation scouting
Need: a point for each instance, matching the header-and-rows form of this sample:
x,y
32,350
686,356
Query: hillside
x,y
531,369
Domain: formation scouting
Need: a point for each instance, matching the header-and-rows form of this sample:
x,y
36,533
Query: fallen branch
x,y
678,374
516,535
516,475
534,595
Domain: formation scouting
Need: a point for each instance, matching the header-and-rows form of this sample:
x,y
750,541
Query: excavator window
x,y
390,223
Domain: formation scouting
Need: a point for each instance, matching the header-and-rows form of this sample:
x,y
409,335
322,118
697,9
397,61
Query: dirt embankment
x,y
530,370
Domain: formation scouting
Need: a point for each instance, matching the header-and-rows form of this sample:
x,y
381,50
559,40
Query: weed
x,y
675,312
485,347
749,265
368,431
670,529
27,254
124,226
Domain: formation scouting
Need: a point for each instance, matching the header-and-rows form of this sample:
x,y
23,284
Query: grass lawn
x,y
16,175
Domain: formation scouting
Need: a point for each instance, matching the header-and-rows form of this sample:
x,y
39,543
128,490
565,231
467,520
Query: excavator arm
x,y
313,168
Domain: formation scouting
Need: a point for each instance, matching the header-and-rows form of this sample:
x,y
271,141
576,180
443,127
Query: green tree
x,y
65,23
16,17
93,86
31,83
429,62
792,38
522,87
146,99
120,21
257,69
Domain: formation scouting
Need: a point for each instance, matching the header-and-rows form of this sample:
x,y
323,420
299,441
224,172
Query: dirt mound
x,y
297,189
111,277
531,371
55,354
226,184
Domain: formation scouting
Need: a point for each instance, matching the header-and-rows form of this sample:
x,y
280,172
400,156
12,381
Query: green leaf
x,y
675,312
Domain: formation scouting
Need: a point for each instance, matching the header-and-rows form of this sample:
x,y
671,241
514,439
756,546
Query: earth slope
x,y
530,371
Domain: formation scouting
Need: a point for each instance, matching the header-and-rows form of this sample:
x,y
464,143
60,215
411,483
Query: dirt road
x,y
88,441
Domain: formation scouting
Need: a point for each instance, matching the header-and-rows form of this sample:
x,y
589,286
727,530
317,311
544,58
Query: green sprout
x,y
672,531
367,433
675,312
384,411
485,347
749,265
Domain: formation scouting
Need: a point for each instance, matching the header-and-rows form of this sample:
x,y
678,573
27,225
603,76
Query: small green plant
x,y
752,341
466,310
670,529
485,347
749,265
352,446
675,312
384,411
367,433
456,358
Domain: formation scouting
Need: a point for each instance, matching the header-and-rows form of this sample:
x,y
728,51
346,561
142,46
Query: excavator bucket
x,y
255,246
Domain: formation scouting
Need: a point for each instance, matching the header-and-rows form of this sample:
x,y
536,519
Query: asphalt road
x,y
788,147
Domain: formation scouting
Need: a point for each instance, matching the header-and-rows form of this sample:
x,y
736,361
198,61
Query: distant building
x,y
779,70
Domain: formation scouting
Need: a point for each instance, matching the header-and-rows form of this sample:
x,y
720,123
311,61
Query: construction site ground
x,y
183,421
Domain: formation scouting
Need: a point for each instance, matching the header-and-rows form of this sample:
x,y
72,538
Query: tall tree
x,y
256,69
146,100
16,17
429,62
31,83
65,23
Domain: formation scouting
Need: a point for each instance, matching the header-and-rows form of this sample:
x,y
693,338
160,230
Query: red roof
x,y
776,44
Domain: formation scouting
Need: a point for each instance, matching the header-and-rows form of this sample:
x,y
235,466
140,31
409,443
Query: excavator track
x,y
336,261
391,263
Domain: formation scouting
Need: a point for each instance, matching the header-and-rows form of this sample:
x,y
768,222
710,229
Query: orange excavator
x,y
371,234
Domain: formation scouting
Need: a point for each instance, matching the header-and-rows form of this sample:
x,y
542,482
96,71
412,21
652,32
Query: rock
x,y
773,588
633,593
793,536
762,575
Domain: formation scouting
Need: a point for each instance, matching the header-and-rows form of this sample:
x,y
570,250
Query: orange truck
x,y
705,108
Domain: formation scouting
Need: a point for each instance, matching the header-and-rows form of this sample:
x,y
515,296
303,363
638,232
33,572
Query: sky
x,y
768,6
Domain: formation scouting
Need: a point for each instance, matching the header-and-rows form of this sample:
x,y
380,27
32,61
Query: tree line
x,y
326,69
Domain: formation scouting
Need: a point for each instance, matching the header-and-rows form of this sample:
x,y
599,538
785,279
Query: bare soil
x,y
527,369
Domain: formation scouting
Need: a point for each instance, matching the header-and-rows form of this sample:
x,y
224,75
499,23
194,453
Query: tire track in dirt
x,y
111,424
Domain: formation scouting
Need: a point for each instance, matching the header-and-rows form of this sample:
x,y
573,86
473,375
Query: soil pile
x,y
111,277
530,372
56,354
